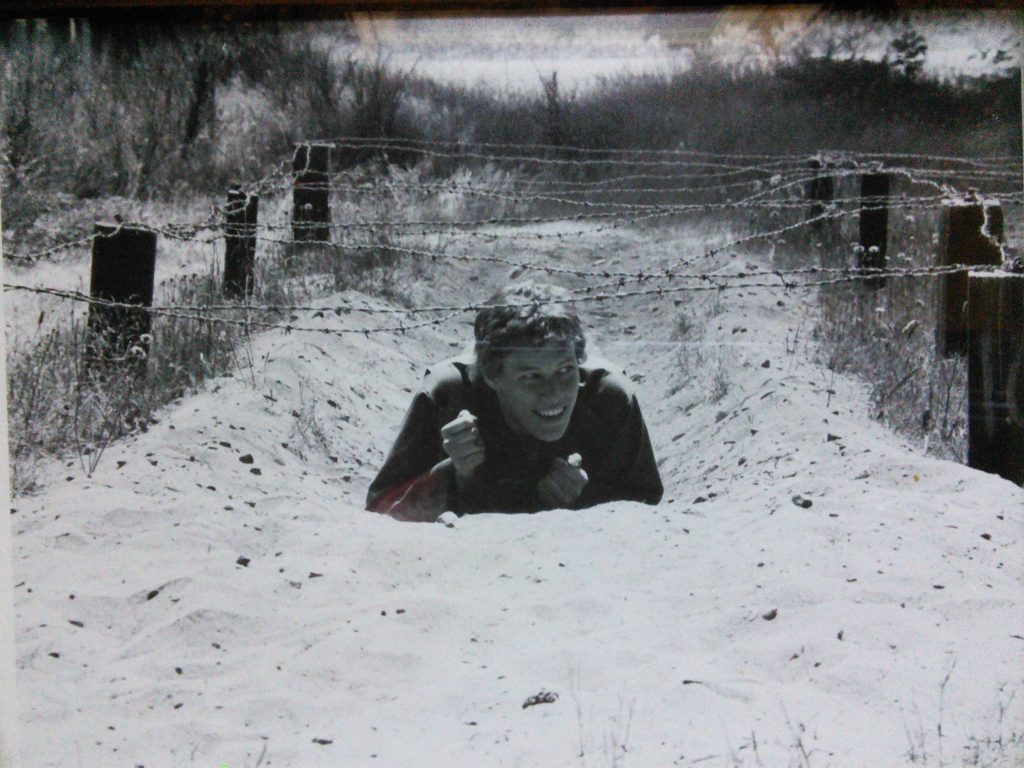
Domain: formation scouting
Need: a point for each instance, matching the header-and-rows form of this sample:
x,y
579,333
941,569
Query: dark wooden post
x,y
240,242
995,373
820,189
311,212
123,266
874,224
971,233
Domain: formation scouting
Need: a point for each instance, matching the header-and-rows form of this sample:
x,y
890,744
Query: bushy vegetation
x,y
158,112
804,106
166,112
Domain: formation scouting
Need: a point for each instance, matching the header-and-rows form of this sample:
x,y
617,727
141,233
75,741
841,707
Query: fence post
x,y
995,373
970,233
820,189
311,211
123,267
240,242
874,224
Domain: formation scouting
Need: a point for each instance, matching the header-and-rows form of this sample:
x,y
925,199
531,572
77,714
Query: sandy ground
x,y
214,594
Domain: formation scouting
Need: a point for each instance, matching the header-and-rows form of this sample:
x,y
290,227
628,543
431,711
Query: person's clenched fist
x,y
460,439
564,483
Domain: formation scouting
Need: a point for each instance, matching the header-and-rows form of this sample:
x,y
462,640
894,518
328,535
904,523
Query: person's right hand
x,y
461,440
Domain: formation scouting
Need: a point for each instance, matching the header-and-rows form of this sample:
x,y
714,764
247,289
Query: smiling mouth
x,y
552,414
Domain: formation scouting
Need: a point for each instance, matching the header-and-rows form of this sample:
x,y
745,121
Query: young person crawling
x,y
522,424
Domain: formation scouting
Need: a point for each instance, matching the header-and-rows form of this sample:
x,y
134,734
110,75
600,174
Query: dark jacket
x,y
417,480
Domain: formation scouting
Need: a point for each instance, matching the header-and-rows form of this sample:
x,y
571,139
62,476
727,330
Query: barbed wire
x,y
561,235
67,245
283,178
464,228
177,313
441,187
752,202
644,219
711,281
189,233
350,182
398,143
387,184
731,171
826,215
563,162
763,187
591,156
1014,160
281,172
584,295
778,182
823,154
429,225
357,183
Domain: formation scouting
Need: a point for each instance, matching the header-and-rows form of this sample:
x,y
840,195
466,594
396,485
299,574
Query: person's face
x,y
537,390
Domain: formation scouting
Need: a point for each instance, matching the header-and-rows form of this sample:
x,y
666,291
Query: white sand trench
x,y
350,639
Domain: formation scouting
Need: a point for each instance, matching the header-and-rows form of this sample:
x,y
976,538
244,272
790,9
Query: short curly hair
x,y
525,315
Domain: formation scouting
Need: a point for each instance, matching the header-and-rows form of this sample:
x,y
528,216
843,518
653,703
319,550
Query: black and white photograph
x,y
464,388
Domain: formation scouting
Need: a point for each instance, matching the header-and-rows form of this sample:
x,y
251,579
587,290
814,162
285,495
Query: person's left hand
x,y
563,484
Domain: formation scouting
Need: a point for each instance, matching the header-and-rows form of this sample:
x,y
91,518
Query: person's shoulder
x,y
606,382
447,380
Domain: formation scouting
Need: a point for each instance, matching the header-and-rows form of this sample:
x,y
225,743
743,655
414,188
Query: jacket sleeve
x,y
416,481
629,471
640,477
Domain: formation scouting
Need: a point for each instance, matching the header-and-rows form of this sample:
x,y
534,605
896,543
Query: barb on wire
x,y
34,256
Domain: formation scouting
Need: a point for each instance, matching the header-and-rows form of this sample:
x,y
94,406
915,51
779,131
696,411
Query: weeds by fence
x,y
370,225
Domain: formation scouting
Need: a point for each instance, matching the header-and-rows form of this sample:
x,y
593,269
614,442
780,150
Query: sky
x,y
512,52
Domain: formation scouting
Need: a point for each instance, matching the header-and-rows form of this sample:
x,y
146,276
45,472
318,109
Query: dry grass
x,y
59,407
886,335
